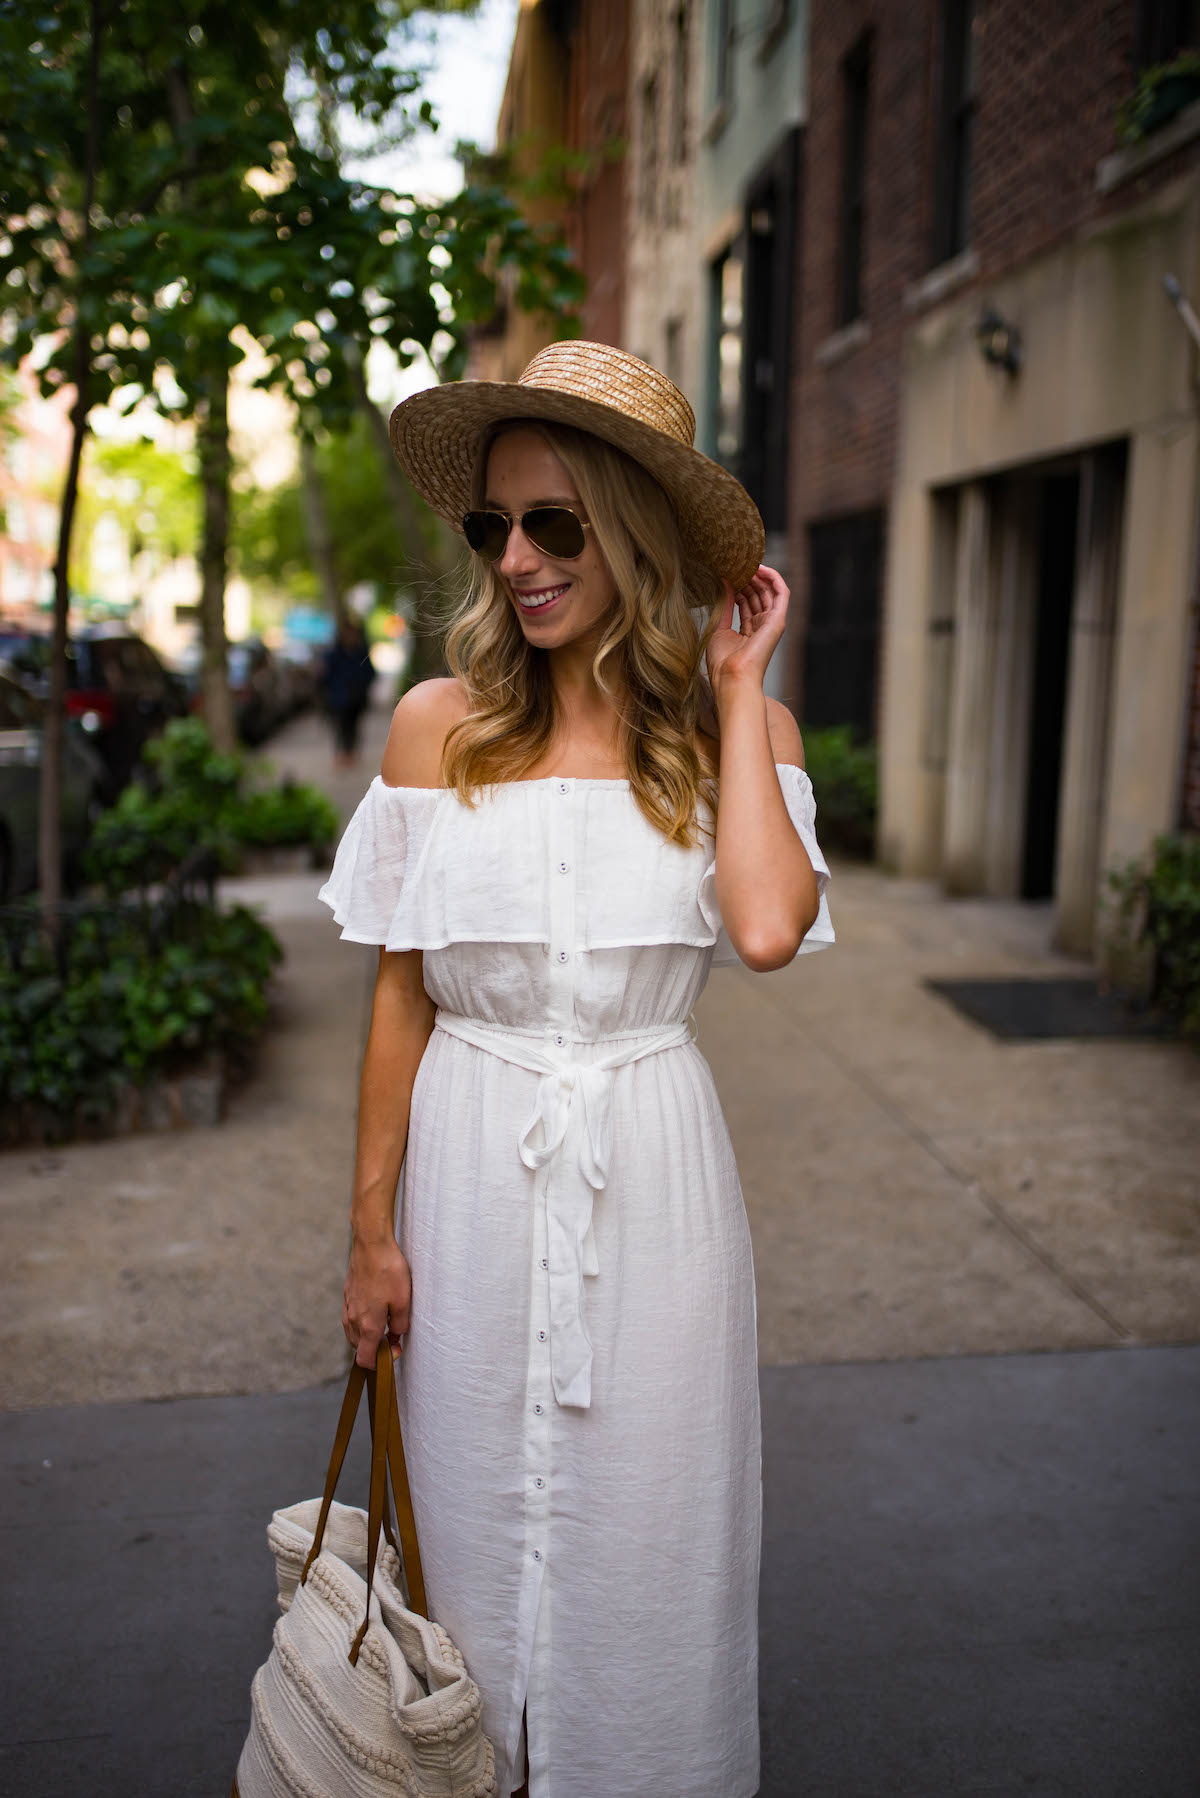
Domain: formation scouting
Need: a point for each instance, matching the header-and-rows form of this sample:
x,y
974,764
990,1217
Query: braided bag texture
x,y
405,1720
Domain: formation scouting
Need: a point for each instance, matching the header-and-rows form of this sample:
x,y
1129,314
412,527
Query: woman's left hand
x,y
762,613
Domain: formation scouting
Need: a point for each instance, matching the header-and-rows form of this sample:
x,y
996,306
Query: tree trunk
x,y
316,524
54,726
432,554
214,560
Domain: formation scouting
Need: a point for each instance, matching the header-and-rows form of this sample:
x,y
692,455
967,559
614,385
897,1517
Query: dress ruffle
x,y
418,869
802,810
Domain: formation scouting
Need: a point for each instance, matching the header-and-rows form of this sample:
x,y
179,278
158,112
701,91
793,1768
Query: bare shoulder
x,y
787,745
420,724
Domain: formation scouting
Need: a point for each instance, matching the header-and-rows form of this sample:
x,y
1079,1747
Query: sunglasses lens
x,y
487,533
555,531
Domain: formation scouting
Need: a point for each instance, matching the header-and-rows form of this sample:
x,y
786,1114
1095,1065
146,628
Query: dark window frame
x,y
680,48
856,106
650,146
955,131
723,53
1162,29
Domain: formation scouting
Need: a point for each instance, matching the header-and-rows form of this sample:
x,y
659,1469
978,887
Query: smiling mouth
x,y
536,601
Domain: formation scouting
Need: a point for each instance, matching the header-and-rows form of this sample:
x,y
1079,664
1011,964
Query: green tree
x,y
150,493
158,193
271,534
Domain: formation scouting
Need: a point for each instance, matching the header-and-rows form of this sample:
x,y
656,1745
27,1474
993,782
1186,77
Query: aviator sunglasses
x,y
555,530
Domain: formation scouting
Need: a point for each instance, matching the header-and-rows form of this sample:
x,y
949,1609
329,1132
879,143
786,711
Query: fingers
x,y
366,1343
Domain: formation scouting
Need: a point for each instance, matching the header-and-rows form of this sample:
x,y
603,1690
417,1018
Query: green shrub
x,y
1157,907
287,814
131,992
194,799
845,778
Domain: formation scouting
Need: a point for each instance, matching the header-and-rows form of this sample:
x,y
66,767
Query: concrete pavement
x,y
981,1572
915,1187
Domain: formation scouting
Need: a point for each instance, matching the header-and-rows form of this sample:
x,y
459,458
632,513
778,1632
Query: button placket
x,y
560,1025
539,1390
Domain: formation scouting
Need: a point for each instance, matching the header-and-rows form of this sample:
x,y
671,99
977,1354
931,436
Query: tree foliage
x,y
149,493
164,201
271,534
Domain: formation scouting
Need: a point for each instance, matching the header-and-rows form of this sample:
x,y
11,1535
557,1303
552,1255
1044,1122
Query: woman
x,y
346,680
573,1286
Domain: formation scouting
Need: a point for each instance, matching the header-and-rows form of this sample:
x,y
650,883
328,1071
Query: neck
x,y
582,709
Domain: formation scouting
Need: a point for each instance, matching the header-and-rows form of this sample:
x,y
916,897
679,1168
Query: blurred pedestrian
x,y
544,869
346,679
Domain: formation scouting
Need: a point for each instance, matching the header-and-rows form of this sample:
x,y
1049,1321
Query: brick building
x,y
563,124
995,458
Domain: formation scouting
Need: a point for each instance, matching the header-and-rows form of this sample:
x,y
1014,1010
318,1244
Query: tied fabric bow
x,y
568,1141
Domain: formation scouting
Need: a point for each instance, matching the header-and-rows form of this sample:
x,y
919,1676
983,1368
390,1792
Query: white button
x,y
560,1039
545,1263
563,787
537,1554
562,955
539,1483
541,1335
563,866
538,1409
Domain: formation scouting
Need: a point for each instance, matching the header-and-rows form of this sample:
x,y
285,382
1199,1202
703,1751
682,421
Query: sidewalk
x,y
915,1187
980,1572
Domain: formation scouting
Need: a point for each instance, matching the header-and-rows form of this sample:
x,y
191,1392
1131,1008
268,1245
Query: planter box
x,y
1172,94
179,1102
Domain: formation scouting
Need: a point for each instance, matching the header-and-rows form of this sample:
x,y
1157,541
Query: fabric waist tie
x,y
569,1133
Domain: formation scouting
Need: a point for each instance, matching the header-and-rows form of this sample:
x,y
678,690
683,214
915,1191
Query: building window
x,y
679,85
1164,28
779,17
841,642
727,357
649,194
673,348
856,78
956,127
723,22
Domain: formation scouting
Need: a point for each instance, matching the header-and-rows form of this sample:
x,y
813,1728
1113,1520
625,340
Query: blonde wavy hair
x,y
649,659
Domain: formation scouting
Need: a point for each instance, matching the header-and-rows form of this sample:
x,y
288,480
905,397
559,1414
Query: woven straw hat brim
x,y
436,435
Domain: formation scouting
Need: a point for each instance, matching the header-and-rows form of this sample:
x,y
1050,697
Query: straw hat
x,y
437,436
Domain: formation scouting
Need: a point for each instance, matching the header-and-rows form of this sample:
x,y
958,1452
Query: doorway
x,y
1057,535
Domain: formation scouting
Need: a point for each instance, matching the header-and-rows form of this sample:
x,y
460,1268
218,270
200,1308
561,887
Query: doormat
x,y
1040,1010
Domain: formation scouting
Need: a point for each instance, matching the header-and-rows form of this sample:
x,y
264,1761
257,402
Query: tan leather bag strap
x,y
341,1442
381,1419
406,1522
387,1457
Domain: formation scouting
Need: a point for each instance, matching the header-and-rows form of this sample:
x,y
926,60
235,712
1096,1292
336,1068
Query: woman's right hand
x,y
377,1299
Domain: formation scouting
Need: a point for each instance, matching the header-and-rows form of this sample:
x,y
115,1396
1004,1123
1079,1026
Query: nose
x,y
520,557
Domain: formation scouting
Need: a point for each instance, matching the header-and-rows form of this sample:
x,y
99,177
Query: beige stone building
x,y
1042,562
664,310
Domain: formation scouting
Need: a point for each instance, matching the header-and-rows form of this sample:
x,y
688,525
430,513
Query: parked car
x,y
21,718
261,687
302,665
117,689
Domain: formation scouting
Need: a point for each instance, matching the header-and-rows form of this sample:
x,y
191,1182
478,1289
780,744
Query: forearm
x,y
401,1022
766,887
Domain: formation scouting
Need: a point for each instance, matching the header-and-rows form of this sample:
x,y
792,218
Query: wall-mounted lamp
x,y
999,342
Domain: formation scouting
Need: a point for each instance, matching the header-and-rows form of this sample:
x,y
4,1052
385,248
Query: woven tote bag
x,y
362,1696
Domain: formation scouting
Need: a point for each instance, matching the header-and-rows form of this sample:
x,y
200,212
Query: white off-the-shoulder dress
x,y
579,1384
